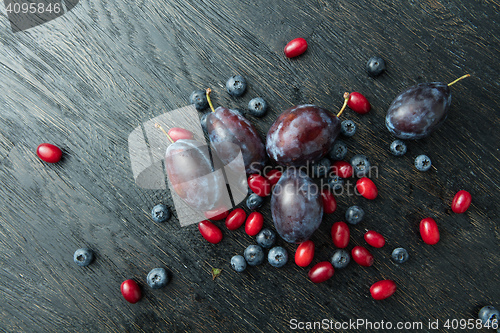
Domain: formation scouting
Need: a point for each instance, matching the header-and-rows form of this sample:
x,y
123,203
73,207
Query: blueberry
x,y
354,214
340,258
489,315
375,66
360,165
398,148
236,85
257,107
160,213
199,99
399,255
422,163
203,121
277,256
338,151
348,128
238,263
83,257
321,168
254,201
266,238
157,278
335,184
254,255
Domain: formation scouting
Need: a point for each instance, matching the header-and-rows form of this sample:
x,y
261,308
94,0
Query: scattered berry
x,y
49,153
490,316
360,165
238,263
83,257
398,148
374,239
340,259
338,151
199,99
236,85
160,213
429,231
157,278
274,176
399,255
375,66
342,169
358,103
210,231
295,47
347,128
277,256
131,291
235,219
266,238
260,185
178,133
362,256
335,184
257,107
203,122
422,163
254,201
321,272
382,289
305,253
354,214
321,168
217,214
340,234
254,255
461,202
366,188
329,202
254,223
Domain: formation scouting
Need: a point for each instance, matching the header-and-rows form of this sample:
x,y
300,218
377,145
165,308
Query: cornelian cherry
x,y
362,256
131,291
374,239
382,289
366,188
217,214
340,234
429,231
461,202
210,231
49,153
295,47
321,272
254,223
259,185
235,219
342,169
178,133
273,176
304,253
329,202
358,103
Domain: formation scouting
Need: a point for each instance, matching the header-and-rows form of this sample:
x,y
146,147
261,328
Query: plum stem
x,y
346,99
161,128
460,78
209,100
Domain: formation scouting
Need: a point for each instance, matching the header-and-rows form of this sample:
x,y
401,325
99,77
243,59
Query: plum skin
x,y
419,110
296,206
302,134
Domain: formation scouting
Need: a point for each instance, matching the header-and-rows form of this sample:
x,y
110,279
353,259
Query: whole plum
x,y
302,134
296,206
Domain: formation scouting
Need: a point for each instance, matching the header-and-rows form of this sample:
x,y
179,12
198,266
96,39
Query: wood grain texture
x,y
85,80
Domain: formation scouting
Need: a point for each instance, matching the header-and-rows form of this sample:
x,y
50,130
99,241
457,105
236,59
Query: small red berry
x,y
254,223
366,188
429,231
235,219
362,256
461,202
210,231
49,153
321,272
329,202
305,253
340,234
295,47
358,103
217,214
382,289
177,133
342,169
259,185
273,176
374,239
131,291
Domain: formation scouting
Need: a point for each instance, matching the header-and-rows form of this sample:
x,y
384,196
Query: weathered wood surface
x,y
85,80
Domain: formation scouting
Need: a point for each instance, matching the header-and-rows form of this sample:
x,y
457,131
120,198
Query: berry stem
x,y
161,128
209,100
460,78
346,98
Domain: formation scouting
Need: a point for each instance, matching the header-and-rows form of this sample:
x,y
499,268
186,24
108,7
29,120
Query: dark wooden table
x,y
85,80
